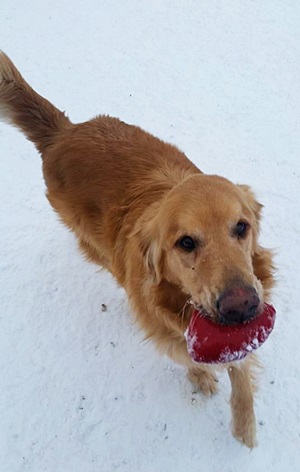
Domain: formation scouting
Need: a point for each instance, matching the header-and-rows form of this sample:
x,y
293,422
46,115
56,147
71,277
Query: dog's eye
x,y
240,229
187,243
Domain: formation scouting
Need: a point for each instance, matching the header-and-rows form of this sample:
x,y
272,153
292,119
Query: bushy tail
x,y
21,106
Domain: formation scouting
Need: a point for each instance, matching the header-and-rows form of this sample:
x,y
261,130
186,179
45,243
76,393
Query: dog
x,y
172,236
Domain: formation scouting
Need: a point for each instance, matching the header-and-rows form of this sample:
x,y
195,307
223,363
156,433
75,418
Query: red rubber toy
x,y
213,343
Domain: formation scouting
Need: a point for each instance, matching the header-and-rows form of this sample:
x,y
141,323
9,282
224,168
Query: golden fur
x,y
129,198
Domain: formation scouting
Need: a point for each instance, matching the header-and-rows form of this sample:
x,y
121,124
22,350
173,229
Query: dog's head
x,y
203,238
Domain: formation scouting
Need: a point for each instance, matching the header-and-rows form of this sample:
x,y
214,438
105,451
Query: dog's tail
x,y
21,106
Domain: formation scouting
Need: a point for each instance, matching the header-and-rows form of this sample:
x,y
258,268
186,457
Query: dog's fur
x,y
129,198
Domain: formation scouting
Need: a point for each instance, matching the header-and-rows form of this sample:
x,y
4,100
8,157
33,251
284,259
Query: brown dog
x,y
172,236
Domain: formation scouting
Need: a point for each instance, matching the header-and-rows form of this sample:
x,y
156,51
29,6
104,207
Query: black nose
x,y
238,305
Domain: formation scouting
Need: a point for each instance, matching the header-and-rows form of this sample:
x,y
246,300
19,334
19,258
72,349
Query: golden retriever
x,y
172,236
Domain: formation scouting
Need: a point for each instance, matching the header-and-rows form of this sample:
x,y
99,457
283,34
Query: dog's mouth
x,y
203,311
211,315
242,313
209,342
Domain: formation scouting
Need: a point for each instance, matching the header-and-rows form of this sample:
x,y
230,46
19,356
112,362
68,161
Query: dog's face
x,y
203,239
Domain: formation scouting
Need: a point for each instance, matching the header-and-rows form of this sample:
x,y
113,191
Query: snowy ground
x,y
80,391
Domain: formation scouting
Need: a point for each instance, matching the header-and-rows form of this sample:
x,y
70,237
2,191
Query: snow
x,y
80,390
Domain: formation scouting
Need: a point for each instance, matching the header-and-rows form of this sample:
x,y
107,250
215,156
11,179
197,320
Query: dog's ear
x,y
154,261
264,268
254,205
262,259
147,236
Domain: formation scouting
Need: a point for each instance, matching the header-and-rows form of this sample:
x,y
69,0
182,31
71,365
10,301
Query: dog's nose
x,y
238,305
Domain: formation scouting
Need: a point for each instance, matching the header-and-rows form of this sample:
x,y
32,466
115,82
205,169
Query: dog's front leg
x,y
200,375
242,408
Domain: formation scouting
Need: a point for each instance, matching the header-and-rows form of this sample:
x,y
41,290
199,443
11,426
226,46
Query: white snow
x,y
80,390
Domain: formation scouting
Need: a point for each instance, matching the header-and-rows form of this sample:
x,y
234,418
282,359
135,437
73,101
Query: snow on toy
x,y
214,343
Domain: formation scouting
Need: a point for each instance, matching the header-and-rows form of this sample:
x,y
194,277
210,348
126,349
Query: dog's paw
x,y
203,380
245,431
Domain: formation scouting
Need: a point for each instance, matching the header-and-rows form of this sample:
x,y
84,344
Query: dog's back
x,y
97,172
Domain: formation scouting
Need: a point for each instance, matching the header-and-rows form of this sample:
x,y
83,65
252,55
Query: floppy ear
x,y
253,204
153,261
149,240
262,259
264,268
255,207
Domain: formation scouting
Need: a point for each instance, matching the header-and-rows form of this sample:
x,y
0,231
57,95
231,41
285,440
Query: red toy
x,y
213,343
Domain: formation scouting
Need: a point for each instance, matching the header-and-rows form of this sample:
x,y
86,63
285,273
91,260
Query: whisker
x,y
183,309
